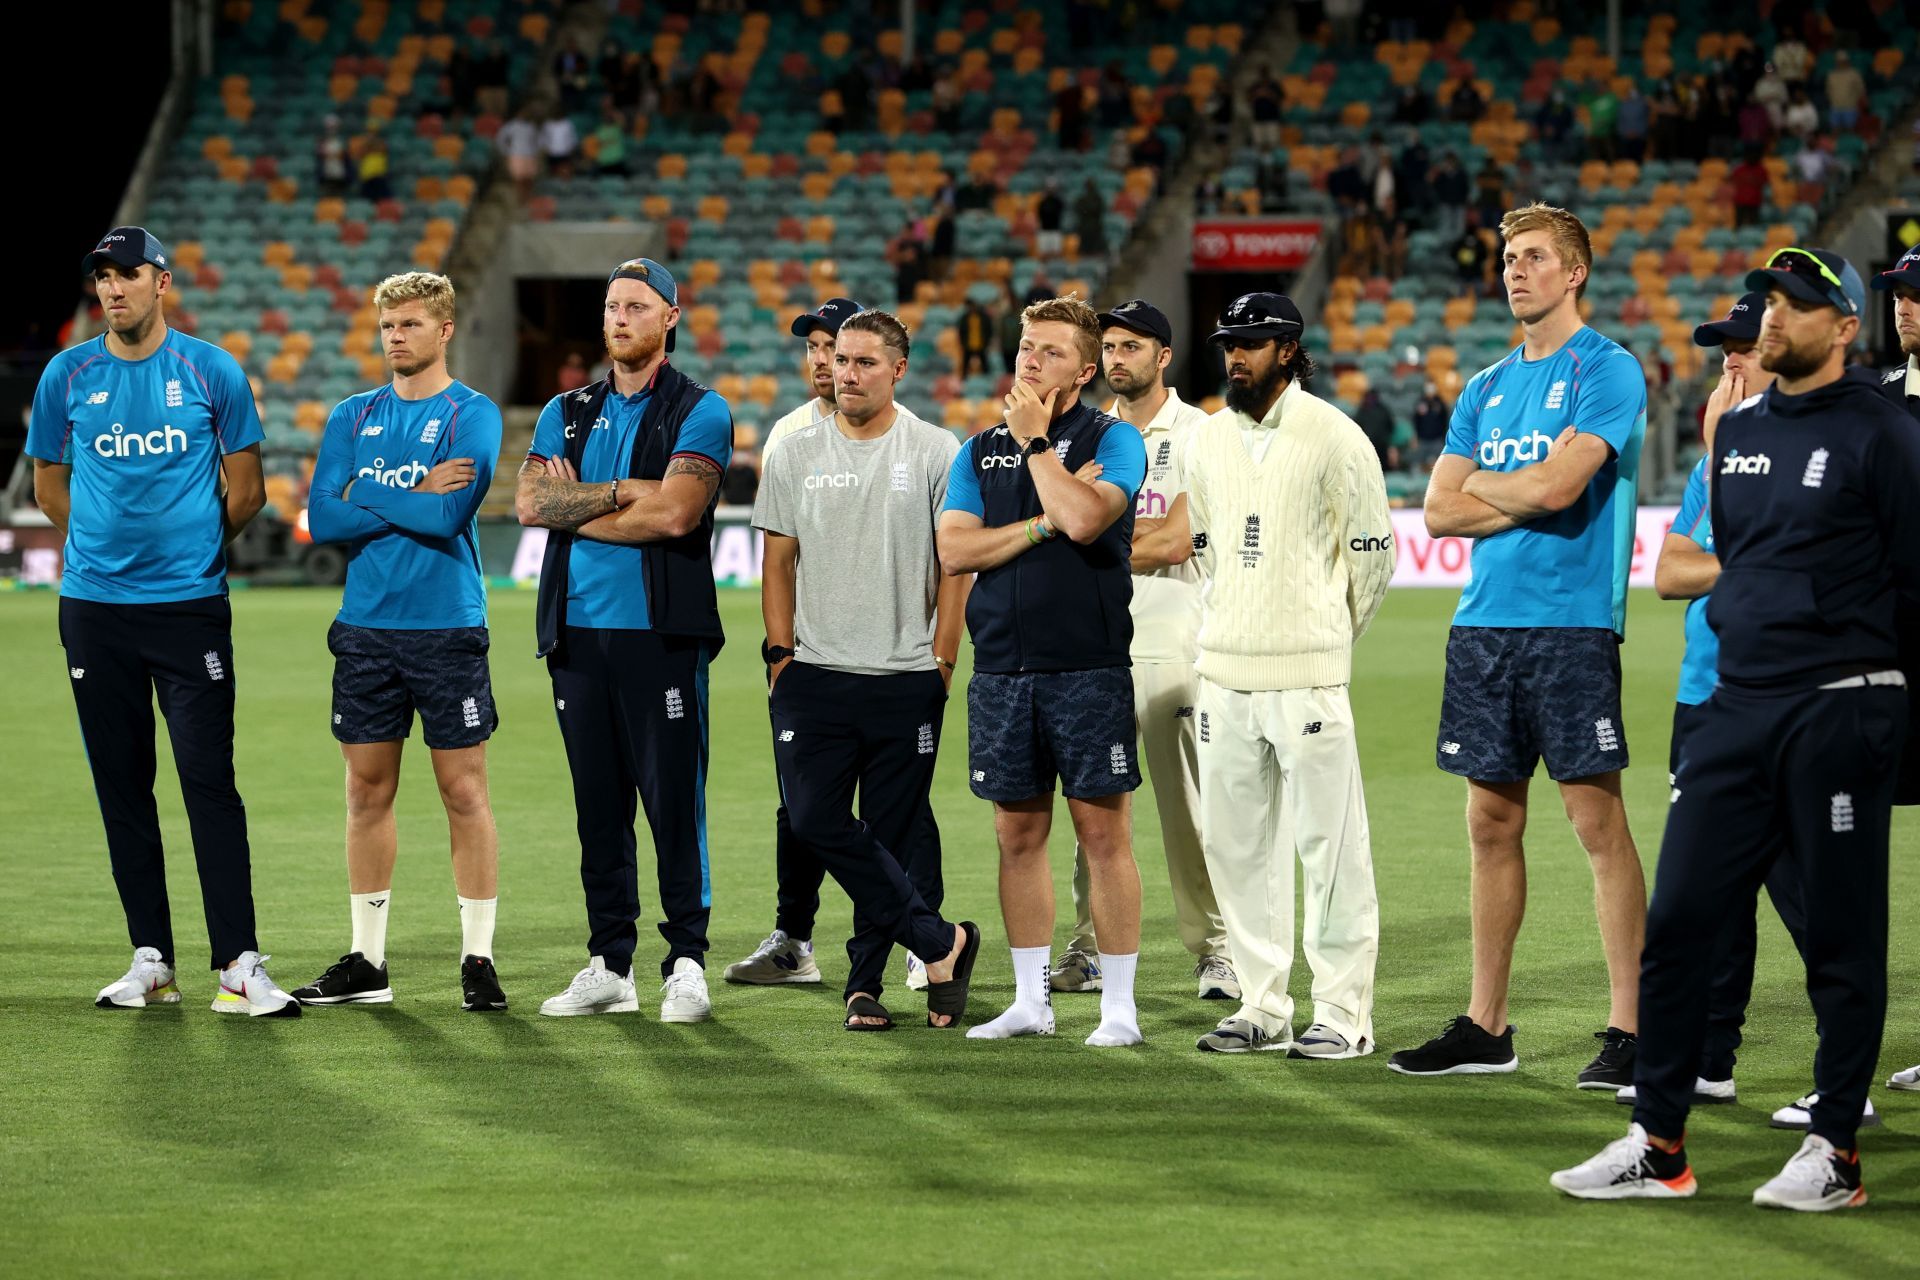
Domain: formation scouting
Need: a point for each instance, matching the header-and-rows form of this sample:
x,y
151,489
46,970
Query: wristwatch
x,y
1038,444
771,653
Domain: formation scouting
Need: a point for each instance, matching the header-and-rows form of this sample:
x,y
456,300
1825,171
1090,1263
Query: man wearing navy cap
x,y
1795,754
625,473
146,449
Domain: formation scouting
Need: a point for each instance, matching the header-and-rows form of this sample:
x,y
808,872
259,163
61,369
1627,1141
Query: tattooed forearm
x,y
699,468
553,503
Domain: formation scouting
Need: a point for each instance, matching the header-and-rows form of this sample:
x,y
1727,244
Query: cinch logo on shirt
x,y
1001,460
1365,543
1495,452
599,424
1151,502
404,476
1751,464
121,443
831,480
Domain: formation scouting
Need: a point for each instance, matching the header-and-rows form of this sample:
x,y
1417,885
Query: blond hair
x,y
417,286
1070,310
1565,231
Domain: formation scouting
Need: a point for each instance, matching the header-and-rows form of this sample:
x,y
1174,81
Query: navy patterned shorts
x,y
1025,730
1518,695
381,676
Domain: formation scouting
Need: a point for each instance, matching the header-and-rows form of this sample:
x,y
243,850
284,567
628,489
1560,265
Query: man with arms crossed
x,y
1051,695
1136,345
400,477
146,449
1539,469
626,473
1286,493
860,662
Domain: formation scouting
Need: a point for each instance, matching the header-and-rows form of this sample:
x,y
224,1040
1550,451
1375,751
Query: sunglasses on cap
x,y
1802,262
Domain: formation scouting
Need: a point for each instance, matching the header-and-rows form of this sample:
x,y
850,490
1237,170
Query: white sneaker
x,y
1243,1035
1075,970
147,982
685,993
1798,1114
247,988
776,962
916,973
1815,1180
1908,1079
1628,1168
1217,979
1322,1041
595,989
1704,1090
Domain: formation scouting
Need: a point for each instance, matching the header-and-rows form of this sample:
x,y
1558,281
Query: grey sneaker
x,y
1241,1035
775,962
1217,979
1322,1041
1075,970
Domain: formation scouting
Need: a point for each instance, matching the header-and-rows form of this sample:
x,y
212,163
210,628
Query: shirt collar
x,y
1275,414
1913,376
1162,421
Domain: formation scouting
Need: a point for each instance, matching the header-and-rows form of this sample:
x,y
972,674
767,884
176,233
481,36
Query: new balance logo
x,y
77,672
1184,713
559,704
336,717
1816,469
1605,735
676,710
1313,726
1894,375
1496,400
1751,464
1449,748
1842,812
1675,797
785,960
786,735
372,429
98,397
216,670
1117,760
979,775
1199,543
174,397
924,741
470,712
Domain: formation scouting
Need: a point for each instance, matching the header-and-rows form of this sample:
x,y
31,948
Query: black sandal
x,y
949,998
865,1006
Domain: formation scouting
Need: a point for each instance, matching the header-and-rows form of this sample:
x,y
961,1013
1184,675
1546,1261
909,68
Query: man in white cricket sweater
x,y
1136,345
1285,495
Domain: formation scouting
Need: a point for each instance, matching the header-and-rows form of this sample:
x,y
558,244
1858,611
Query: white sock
x,y
1031,1013
1119,1020
369,912
476,926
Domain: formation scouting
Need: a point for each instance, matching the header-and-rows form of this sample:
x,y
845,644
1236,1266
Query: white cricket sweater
x,y
1299,546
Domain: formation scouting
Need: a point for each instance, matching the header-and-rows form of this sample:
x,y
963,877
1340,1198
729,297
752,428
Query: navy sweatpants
x,y
120,657
633,713
1805,776
834,733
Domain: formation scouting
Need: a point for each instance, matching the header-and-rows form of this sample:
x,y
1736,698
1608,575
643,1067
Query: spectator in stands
x,y
1756,127
1040,290
1663,121
573,374
376,184
559,142
1150,153
330,159
1451,192
916,76
1412,188
1265,102
1376,419
1846,90
462,74
519,141
1050,212
946,101
1554,124
1114,104
1603,114
1210,195
706,98
1344,16
1466,106
1801,118
1413,106
1812,165
1792,60
1490,193
907,257
1346,184
490,77
1630,125
610,140
1431,417
1471,256
1383,188
940,236
1007,328
1749,181
1361,243
1090,221
856,92
1270,179
1177,113
1396,238
574,72
1770,91
975,331
978,192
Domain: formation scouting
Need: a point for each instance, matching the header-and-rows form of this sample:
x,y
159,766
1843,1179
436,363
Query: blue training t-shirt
x,y
605,585
413,558
1122,456
145,439
1567,569
1700,667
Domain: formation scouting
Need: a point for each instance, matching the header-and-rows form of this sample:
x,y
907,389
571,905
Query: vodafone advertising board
x,y
1253,244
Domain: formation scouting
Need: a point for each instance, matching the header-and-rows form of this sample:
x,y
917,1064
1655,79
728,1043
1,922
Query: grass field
x,y
416,1140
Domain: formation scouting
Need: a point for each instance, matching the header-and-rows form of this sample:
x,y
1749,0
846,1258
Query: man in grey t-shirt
x,y
861,632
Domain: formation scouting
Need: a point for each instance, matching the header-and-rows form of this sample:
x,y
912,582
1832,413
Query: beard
x,y
1121,379
1910,343
134,326
638,349
1792,363
1253,398
408,363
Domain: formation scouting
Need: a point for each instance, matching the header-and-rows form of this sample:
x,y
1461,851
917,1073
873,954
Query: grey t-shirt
x,y
864,514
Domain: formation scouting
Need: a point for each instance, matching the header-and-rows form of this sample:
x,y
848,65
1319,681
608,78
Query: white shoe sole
x,y
630,1005
382,996
168,994
1350,1052
682,1015
1628,1097
1905,1086
1464,1069
1626,1191
291,1009
1838,1200
1776,1121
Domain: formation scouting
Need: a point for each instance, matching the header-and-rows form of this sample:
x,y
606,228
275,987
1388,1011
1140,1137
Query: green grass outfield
x,y
416,1140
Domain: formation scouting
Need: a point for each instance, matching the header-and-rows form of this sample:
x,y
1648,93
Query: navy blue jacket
x,y
1059,606
1817,525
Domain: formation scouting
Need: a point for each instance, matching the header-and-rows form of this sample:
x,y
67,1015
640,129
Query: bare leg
x,y
462,775
1496,825
1026,882
373,777
1599,818
1105,829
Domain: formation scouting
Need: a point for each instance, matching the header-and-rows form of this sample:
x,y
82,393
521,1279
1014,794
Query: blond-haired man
x,y
400,476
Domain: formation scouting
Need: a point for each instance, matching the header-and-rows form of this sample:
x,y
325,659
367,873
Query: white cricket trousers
x,y
1164,712
1280,777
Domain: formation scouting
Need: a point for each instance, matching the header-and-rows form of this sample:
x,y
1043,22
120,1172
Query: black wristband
x,y
771,653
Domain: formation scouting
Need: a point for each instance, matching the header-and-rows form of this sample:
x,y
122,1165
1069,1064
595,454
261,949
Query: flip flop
x,y
865,1006
949,998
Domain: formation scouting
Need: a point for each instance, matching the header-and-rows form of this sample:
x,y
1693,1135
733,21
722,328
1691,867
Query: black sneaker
x,y
480,985
350,981
1612,1068
1463,1049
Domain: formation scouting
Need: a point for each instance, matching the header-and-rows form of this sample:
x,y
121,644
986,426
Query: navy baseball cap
x,y
657,277
1141,317
1906,271
829,315
1813,275
1255,317
128,246
1741,325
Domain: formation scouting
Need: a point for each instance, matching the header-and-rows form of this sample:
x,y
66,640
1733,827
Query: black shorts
x,y
1517,695
1027,729
381,676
